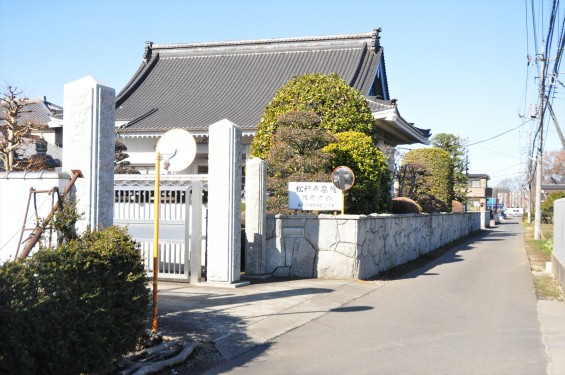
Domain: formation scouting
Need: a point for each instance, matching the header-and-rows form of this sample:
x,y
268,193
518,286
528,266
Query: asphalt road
x,y
472,311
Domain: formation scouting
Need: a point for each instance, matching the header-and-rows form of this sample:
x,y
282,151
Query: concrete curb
x,y
552,319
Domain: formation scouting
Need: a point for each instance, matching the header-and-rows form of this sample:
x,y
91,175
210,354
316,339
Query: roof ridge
x,y
169,57
266,41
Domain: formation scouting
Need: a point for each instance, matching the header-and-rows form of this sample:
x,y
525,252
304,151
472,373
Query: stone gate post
x,y
88,145
224,204
255,216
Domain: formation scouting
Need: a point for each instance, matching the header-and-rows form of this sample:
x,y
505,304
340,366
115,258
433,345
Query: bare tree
x,y
14,133
512,184
554,167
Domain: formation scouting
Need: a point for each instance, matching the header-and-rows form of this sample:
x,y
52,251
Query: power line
x,y
498,135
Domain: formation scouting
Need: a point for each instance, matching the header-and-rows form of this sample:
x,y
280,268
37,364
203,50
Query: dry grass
x,y
547,287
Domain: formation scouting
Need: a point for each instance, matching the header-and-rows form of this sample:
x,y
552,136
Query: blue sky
x,y
455,66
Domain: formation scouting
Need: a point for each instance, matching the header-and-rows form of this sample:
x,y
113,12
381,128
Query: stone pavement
x,y
238,319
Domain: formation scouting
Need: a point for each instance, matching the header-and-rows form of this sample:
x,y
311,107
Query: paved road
x,y
472,311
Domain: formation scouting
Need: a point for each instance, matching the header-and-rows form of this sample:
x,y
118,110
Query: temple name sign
x,y
314,196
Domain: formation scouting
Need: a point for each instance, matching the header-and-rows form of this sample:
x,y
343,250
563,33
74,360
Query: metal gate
x,y
181,238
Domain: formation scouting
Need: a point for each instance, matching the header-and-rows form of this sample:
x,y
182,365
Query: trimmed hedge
x,y
403,205
431,204
439,175
457,206
73,309
296,155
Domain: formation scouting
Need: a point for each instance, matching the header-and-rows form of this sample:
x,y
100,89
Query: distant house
x,y
49,138
478,191
192,86
547,189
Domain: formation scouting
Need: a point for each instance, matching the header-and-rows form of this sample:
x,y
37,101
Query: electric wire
x,y
498,135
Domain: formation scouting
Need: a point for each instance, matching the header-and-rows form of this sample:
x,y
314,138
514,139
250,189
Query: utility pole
x,y
559,132
539,153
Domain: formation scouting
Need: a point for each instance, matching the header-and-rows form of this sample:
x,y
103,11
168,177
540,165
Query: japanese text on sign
x,y
315,196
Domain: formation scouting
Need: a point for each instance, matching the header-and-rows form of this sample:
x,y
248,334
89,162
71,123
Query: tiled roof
x,y
192,86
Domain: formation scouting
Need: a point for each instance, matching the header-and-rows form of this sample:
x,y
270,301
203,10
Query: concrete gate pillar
x,y
88,145
255,217
224,204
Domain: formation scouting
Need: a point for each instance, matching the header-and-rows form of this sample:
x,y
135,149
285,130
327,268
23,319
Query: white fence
x,y
181,238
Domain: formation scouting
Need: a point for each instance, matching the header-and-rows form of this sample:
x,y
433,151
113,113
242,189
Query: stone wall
x,y
558,255
357,246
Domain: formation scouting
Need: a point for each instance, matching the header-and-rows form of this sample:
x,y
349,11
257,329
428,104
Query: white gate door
x,y
134,207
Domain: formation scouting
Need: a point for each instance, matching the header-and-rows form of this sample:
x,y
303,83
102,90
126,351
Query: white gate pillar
x,y
224,204
194,242
88,145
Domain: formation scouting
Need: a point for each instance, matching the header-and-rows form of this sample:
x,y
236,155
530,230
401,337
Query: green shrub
x,y
339,107
73,309
547,204
403,205
548,245
371,192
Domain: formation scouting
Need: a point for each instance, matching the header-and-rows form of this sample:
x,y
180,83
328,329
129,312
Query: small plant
x,y
548,245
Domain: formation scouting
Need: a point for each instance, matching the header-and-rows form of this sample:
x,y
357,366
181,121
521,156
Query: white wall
x,y
14,194
558,255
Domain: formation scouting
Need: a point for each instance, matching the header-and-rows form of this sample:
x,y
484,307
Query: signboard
x,y
315,196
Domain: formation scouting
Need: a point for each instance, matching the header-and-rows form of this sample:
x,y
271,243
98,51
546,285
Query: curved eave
x,y
397,128
156,133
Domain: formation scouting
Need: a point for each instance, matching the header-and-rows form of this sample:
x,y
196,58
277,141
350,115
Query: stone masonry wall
x,y
357,246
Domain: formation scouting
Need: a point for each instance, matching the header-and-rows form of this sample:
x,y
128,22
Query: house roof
x,y
394,129
553,187
36,111
478,175
194,85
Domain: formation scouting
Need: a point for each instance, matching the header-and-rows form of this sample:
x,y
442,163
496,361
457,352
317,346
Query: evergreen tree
x,y
121,165
455,147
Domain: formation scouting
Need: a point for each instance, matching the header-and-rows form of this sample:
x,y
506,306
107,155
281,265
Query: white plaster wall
x,y
14,194
141,153
357,246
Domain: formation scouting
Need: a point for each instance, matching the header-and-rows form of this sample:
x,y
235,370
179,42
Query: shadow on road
x,y
208,316
443,255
